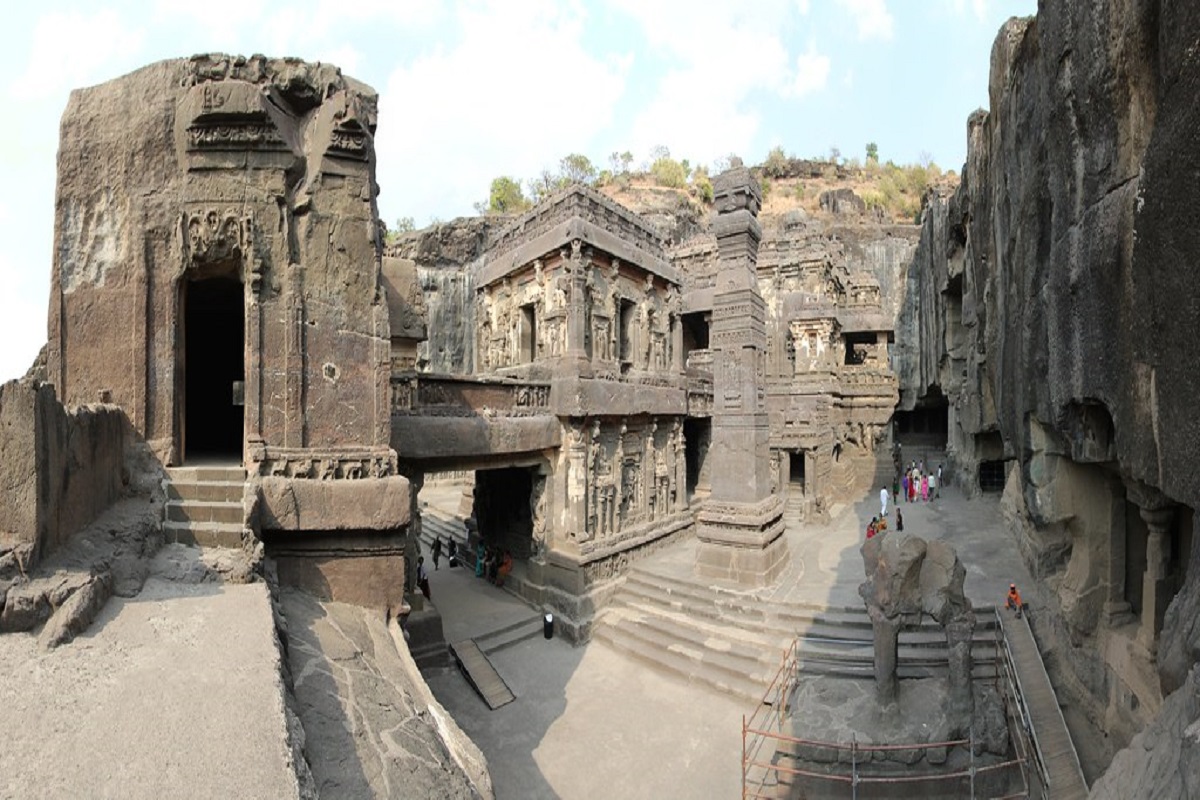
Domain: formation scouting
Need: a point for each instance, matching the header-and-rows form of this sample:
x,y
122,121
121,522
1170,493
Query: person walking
x,y
883,501
939,474
904,485
933,486
436,550
925,488
422,577
899,521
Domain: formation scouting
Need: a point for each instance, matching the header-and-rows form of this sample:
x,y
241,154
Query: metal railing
x,y
764,741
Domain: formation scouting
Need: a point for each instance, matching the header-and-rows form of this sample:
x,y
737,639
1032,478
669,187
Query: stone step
x,y
203,534
215,473
509,635
206,491
203,511
781,618
682,663
753,650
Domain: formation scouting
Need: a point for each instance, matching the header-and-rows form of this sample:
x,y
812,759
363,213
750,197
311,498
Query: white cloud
x,y
23,314
802,6
518,90
707,79
70,49
872,17
812,72
978,7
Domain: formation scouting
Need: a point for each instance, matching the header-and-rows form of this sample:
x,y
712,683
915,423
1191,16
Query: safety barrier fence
x,y
764,742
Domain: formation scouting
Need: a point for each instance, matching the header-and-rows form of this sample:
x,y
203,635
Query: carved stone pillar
x,y
741,526
1156,592
577,266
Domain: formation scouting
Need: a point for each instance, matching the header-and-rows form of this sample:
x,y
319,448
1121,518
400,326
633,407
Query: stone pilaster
x,y
741,526
1156,593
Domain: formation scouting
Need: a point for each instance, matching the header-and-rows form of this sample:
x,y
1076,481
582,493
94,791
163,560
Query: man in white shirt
x,y
883,498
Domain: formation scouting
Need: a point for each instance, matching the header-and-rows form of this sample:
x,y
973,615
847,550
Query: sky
x,y
477,89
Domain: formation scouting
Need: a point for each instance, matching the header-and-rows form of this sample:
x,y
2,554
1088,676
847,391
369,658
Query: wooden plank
x,y
481,674
1050,732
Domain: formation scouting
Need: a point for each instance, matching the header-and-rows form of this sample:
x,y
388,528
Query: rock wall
x,y
442,254
59,469
1052,298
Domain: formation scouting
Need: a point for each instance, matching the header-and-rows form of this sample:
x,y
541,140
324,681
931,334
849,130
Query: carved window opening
x,y
695,332
212,359
627,321
796,470
697,435
859,347
527,335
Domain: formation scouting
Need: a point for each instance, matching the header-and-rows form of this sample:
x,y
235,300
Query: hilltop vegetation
x,y
891,192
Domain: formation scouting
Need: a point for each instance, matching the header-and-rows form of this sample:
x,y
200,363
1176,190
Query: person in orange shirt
x,y
1013,599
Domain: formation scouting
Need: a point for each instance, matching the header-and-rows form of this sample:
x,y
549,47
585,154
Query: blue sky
x,y
472,90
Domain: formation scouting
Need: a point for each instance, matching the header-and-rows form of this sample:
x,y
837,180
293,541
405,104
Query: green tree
x,y
872,153
546,184
506,196
405,225
669,172
776,165
576,168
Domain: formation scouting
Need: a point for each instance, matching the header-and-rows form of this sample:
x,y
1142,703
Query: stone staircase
x,y
734,643
437,523
204,505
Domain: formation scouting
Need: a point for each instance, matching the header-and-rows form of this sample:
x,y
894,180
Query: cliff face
x,y
1053,300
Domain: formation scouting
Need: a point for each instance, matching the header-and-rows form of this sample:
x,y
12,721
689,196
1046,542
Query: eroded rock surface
x,y
372,728
1052,301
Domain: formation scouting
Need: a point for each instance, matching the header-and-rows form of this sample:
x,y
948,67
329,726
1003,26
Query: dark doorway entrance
x,y
502,509
796,469
213,368
926,425
697,436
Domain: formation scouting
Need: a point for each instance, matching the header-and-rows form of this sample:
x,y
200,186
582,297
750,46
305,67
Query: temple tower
x,y
741,524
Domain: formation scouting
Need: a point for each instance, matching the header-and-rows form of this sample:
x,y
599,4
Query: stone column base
x,y
742,542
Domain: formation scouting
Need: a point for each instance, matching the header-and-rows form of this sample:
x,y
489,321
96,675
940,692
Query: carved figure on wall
x,y
537,511
662,481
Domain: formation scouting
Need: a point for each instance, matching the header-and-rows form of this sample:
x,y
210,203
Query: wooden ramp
x,y
1053,742
481,674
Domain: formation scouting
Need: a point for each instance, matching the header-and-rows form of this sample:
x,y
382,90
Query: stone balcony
x,y
424,394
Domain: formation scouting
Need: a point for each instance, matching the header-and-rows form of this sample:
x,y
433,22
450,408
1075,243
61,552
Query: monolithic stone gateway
x,y
217,276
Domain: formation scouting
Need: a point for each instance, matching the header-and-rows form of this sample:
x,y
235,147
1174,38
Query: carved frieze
x,y
322,464
234,136
211,236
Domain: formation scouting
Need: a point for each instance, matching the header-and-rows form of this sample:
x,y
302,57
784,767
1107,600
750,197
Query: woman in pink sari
x,y
925,488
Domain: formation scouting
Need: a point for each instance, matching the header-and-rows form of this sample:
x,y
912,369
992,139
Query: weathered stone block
x,y
301,504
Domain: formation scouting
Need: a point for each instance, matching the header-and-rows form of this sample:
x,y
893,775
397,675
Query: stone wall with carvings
x,y
621,483
263,173
630,317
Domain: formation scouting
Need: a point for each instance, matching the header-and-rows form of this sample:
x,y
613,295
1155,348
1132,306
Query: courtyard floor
x,y
591,722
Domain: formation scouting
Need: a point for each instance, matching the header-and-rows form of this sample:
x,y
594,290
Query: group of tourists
x,y
917,484
493,563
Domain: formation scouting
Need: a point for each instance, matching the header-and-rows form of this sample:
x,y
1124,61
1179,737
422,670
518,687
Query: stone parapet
x,y
367,504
